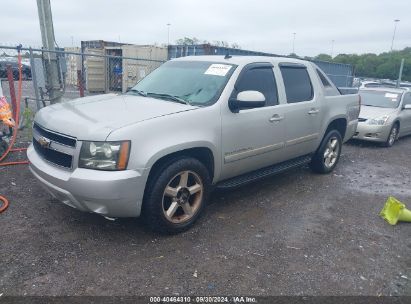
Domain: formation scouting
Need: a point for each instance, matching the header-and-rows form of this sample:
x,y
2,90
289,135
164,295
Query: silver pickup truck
x,y
192,125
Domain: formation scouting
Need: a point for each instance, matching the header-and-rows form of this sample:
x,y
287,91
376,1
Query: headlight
x,y
110,156
378,121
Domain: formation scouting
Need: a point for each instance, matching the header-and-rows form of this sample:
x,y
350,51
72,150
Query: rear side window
x,y
297,83
324,80
407,99
259,79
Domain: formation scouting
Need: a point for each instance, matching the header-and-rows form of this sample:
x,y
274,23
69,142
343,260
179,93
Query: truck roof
x,y
241,60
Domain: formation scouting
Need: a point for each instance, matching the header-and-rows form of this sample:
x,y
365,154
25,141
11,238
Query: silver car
x,y
385,115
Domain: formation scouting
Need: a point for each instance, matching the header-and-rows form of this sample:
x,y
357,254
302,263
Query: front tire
x,y
176,196
327,156
392,137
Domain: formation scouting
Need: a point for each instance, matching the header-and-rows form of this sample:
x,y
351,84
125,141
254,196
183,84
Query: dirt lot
x,y
294,234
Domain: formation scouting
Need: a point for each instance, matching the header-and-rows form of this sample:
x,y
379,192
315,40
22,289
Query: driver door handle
x,y
275,118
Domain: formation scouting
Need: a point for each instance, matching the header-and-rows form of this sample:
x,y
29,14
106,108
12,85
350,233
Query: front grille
x,y
362,119
59,138
53,156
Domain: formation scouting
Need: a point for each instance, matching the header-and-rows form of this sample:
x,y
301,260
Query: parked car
x,y
193,124
377,84
25,70
385,115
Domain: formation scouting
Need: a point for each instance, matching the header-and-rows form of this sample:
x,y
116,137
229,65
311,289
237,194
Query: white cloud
x,y
356,26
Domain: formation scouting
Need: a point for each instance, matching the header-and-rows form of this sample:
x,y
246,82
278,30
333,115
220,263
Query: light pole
x,y
395,29
168,33
294,42
332,48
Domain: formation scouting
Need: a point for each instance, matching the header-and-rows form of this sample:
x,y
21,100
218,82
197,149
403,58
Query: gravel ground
x,y
294,234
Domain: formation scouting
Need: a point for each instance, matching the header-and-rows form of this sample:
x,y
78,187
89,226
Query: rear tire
x,y
328,154
176,196
392,137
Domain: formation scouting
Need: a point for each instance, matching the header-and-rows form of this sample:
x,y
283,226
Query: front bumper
x,y
110,194
372,132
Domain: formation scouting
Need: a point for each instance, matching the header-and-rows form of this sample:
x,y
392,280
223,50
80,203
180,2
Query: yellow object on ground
x,y
394,211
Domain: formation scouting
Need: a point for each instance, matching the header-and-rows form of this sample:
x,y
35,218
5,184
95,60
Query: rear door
x,y
253,138
303,112
405,116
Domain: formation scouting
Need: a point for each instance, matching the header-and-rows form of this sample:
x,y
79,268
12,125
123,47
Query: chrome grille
x,y
59,138
53,147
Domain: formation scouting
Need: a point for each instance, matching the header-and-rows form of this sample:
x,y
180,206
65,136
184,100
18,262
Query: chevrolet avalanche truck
x,y
192,125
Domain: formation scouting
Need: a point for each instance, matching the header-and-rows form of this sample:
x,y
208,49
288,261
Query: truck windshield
x,y
381,99
195,82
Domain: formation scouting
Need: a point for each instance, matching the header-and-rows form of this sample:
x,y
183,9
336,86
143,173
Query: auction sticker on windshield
x,y
218,69
391,95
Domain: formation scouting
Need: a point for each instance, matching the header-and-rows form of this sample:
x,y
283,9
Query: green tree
x,y
385,65
187,41
323,57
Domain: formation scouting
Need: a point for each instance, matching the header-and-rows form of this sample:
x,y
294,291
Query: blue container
x,y
341,74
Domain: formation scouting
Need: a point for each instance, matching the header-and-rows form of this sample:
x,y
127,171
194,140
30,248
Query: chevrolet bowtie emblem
x,y
44,142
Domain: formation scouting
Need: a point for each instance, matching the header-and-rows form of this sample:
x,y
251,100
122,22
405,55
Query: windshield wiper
x,y
169,97
141,93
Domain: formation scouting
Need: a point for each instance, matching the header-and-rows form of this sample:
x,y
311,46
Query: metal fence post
x,y
34,78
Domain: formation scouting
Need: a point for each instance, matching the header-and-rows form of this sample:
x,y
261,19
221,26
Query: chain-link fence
x,y
79,72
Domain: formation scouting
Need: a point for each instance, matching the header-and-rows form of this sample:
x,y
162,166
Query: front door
x,y
253,138
405,116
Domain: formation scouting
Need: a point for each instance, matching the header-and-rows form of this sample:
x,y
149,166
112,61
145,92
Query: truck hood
x,y
93,118
369,112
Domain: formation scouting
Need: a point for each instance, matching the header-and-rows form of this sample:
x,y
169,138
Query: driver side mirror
x,y
247,99
407,107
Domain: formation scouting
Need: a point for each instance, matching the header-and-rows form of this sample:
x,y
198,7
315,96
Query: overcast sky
x,y
357,26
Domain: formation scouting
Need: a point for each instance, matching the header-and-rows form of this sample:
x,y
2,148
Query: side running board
x,y
264,172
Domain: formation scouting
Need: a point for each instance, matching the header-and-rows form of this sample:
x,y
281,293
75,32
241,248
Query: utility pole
x,y
294,42
400,73
50,58
168,34
395,29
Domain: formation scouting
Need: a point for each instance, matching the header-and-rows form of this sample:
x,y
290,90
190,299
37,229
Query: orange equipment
x,y
6,117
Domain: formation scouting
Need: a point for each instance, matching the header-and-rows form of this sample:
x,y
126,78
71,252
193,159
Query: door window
x,y
407,99
297,83
259,79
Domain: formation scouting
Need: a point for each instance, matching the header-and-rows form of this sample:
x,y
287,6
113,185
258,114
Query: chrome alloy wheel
x,y
182,197
393,136
331,152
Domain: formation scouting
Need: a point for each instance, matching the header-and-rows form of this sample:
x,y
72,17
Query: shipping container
x,y
98,44
340,74
131,64
73,64
94,67
94,70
